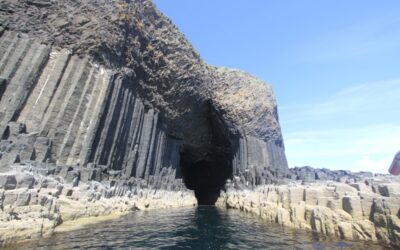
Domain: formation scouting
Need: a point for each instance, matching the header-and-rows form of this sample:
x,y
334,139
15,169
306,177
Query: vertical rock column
x,y
256,161
130,138
22,61
80,112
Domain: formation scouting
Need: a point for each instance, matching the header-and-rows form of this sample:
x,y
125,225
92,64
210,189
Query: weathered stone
x,y
15,129
69,173
343,217
345,189
393,204
7,181
311,195
25,180
45,201
34,197
296,194
322,220
81,111
10,197
23,199
126,111
362,187
390,190
42,149
3,82
352,205
365,230
366,203
394,222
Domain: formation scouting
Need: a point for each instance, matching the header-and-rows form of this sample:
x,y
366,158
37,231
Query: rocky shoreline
x,y
35,205
106,108
361,210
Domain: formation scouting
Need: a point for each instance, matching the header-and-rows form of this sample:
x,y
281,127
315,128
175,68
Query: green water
x,y
191,228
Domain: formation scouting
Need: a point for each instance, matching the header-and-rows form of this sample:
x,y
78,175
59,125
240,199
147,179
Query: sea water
x,y
204,227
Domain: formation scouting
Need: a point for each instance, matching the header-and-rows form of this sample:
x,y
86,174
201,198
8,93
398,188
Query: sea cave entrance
x,y
205,175
206,170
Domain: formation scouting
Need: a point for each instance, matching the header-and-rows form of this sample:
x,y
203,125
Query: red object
x,y
395,167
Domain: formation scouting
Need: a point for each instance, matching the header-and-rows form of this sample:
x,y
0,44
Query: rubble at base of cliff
x,y
106,108
37,200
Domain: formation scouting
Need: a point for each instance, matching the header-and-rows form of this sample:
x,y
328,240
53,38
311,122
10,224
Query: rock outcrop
x,y
104,102
105,108
363,210
112,86
36,200
308,174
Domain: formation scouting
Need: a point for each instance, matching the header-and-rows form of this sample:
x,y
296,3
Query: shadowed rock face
x,y
114,90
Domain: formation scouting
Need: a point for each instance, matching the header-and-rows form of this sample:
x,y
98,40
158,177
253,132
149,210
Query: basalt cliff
x,y
112,88
106,98
106,108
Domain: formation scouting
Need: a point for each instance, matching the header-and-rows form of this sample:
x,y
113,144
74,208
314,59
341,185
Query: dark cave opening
x,y
206,170
205,175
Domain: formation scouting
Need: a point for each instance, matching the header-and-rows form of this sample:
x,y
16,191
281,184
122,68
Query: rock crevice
x,y
114,85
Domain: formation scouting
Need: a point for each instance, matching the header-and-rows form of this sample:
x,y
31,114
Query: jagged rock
x,y
347,219
130,94
352,205
42,149
390,190
346,230
7,181
25,180
10,197
105,105
309,174
15,129
23,199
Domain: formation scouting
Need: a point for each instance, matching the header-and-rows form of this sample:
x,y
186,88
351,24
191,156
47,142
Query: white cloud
x,y
358,128
377,98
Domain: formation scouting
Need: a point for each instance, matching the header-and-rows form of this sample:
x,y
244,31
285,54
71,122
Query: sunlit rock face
x,y
111,90
355,207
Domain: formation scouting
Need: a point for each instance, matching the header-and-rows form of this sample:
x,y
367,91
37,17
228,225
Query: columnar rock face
x,y
81,113
112,87
34,202
105,107
364,210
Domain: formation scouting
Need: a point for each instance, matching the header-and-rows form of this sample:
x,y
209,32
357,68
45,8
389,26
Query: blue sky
x,y
334,66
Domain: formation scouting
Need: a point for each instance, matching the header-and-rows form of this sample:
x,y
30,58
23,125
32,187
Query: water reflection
x,y
209,230
203,227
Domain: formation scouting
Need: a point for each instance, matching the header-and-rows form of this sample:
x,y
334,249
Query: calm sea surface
x,y
201,227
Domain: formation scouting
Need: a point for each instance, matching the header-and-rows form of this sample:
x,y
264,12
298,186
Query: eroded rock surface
x,y
361,210
105,107
114,85
34,201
